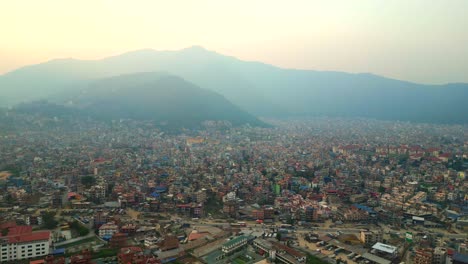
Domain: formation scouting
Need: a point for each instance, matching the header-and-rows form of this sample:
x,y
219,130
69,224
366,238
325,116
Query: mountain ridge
x,y
150,96
263,89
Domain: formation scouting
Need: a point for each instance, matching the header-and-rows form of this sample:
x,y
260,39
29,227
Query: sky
x,y
422,41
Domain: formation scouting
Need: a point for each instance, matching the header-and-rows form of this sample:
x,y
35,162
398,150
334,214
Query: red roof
x,y
7,225
40,261
128,250
195,236
37,236
21,234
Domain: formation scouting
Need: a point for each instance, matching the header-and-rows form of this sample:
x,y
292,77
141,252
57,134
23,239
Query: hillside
x,y
260,89
157,97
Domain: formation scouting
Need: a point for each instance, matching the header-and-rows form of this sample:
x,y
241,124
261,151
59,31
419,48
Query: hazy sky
x,y
417,40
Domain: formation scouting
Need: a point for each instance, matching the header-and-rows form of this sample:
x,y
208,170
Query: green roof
x,y
234,241
211,258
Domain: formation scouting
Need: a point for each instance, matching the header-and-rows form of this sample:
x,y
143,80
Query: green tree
x,y
381,189
79,228
88,181
48,220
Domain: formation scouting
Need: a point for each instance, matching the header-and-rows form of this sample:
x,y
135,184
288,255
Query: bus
x,y
242,224
239,224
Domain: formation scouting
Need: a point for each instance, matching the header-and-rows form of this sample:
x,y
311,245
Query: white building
x,y
108,229
24,245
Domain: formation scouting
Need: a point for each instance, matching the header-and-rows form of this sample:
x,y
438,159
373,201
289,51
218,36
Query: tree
x,y
48,220
381,189
88,181
80,229
9,199
279,236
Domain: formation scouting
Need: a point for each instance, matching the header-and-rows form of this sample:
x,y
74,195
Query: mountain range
x,y
165,99
257,88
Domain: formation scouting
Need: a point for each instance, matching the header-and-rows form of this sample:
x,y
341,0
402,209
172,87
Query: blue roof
x,y
463,258
58,251
365,208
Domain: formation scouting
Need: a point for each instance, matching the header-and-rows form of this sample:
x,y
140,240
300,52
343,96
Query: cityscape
x,y
321,190
233,132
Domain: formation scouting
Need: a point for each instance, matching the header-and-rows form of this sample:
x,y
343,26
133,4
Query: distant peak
x,y
196,47
59,60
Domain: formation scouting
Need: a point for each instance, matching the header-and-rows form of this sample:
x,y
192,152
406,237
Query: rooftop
x,y
385,248
375,258
234,241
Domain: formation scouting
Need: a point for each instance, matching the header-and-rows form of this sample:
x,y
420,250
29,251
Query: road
x,y
345,230
73,240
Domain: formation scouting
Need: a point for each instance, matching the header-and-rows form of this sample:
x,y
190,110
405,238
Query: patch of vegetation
x,y
88,181
311,259
79,228
48,220
213,205
105,253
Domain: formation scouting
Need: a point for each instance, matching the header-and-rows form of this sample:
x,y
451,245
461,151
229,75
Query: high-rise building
x,y
439,256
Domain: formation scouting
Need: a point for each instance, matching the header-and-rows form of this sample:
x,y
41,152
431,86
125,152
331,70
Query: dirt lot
x,y
314,247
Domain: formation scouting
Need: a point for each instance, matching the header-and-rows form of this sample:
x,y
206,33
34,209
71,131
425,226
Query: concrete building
x,y
439,256
423,256
234,244
369,238
21,243
107,230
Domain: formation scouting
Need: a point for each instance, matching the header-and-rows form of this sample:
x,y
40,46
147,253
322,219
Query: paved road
x,y
345,230
73,240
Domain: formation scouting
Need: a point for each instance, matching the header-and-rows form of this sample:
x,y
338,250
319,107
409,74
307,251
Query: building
x,y
34,220
423,256
151,241
231,208
234,244
169,242
82,258
369,238
384,250
129,229
21,243
107,230
100,218
118,240
264,248
201,196
288,255
439,256
59,199
459,258
278,252
310,214
135,255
